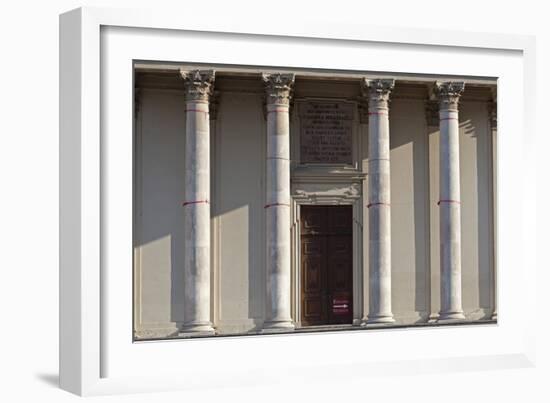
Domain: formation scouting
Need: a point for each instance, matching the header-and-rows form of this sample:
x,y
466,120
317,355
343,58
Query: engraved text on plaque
x,y
326,132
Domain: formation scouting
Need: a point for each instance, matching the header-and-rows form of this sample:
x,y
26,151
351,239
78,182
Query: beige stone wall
x,y
238,207
158,228
238,229
409,209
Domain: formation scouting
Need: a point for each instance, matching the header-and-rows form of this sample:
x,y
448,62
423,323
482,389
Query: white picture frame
x,y
97,353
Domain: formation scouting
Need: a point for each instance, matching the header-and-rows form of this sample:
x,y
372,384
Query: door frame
x,y
352,198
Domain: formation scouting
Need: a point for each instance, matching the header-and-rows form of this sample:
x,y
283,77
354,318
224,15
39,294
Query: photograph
x,y
295,200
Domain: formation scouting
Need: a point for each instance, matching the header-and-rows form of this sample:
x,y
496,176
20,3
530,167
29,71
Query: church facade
x,y
278,200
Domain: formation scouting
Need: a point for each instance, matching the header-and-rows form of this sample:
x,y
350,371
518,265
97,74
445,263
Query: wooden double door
x,y
326,242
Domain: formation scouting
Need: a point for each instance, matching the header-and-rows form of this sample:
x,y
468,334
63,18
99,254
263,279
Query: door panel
x,y
326,265
313,273
314,220
314,288
313,246
339,219
340,279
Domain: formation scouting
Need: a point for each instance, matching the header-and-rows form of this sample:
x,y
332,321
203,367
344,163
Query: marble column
x,y
278,89
448,94
196,207
378,93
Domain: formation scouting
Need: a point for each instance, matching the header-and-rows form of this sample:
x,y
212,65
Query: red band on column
x,y
447,201
377,204
276,204
448,119
194,202
278,110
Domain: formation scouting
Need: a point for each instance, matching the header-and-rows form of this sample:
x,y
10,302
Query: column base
x,y
277,326
357,322
494,316
197,329
379,320
451,316
433,318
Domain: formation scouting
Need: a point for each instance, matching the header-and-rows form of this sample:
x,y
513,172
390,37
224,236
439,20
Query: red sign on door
x,y
340,306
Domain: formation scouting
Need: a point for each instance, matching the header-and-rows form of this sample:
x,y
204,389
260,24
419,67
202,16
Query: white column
x,y
277,208
378,93
449,201
196,207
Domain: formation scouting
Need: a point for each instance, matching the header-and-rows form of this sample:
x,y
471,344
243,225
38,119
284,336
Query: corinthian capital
x,y
448,93
278,87
199,84
377,91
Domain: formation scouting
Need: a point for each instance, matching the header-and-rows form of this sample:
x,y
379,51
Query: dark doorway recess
x,y
326,242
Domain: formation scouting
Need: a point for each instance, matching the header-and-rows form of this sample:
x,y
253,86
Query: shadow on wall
x,y
479,130
410,131
159,189
240,190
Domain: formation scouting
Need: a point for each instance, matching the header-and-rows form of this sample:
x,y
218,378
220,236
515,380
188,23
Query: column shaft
x,y
277,207
449,201
196,206
378,92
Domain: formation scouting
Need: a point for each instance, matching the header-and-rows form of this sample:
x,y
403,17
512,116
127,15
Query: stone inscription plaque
x,y
326,132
